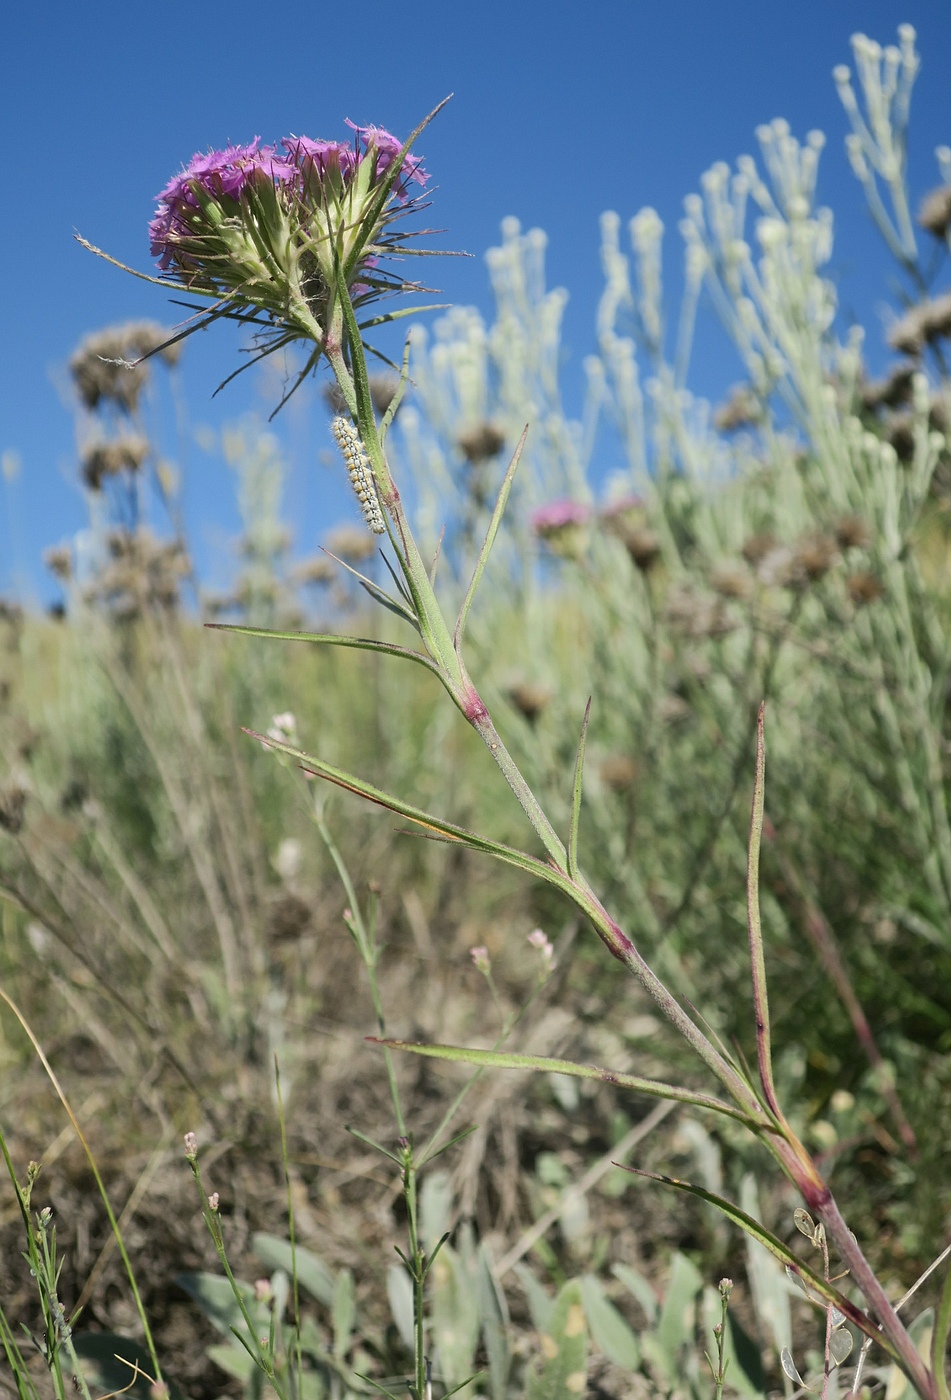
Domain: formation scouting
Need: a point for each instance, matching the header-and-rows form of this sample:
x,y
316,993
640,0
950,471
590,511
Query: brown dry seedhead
x,y
892,391
642,544
481,443
350,543
756,548
852,532
12,807
731,581
383,389
105,459
104,365
59,561
318,569
921,325
143,572
935,211
619,772
741,409
529,699
863,588
813,557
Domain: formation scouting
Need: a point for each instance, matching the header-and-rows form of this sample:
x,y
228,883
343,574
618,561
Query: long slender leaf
x,y
576,795
331,639
782,1252
757,957
939,1340
446,830
562,1373
490,535
501,1059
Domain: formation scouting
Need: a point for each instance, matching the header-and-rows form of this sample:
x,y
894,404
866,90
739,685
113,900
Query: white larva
x,y
358,469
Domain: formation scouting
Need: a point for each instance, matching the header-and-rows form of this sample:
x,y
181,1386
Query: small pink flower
x,y
213,1201
540,940
556,516
191,1145
480,958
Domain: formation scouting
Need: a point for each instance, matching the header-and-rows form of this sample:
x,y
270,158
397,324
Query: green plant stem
x,y
369,955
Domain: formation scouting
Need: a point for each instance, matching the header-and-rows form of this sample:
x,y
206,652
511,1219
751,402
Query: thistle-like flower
x,y
270,231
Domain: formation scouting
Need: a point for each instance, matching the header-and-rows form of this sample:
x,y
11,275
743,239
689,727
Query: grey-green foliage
x,y
561,1371
789,560
469,1322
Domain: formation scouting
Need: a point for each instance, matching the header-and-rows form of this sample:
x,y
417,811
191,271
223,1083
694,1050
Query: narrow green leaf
x,y
334,640
454,1315
676,1326
343,1312
370,1142
540,1304
444,829
636,1283
215,1296
116,1363
502,1059
782,1252
397,398
312,1273
488,542
388,316
754,922
399,1291
939,1340
576,795
495,1324
562,1374
612,1336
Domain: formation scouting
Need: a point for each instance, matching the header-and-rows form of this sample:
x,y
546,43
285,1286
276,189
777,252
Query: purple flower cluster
x,y
216,174
229,174
556,516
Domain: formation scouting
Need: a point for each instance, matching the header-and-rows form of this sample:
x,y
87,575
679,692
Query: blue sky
x,y
560,111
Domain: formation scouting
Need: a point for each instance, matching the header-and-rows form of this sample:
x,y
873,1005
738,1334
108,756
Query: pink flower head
x,y
322,156
480,958
216,174
387,148
551,519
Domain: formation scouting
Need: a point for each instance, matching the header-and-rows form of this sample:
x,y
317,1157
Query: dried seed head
x,y
921,325
853,533
318,569
619,772
481,443
351,543
105,459
813,558
756,548
899,430
731,581
863,588
742,409
530,700
12,806
109,366
893,390
642,545
360,473
59,561
935,211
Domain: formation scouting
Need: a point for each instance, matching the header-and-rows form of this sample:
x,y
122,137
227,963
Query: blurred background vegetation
x,y
172,920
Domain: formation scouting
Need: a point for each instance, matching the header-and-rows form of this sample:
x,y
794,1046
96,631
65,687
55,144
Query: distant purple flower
x,y
621,507
557,516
